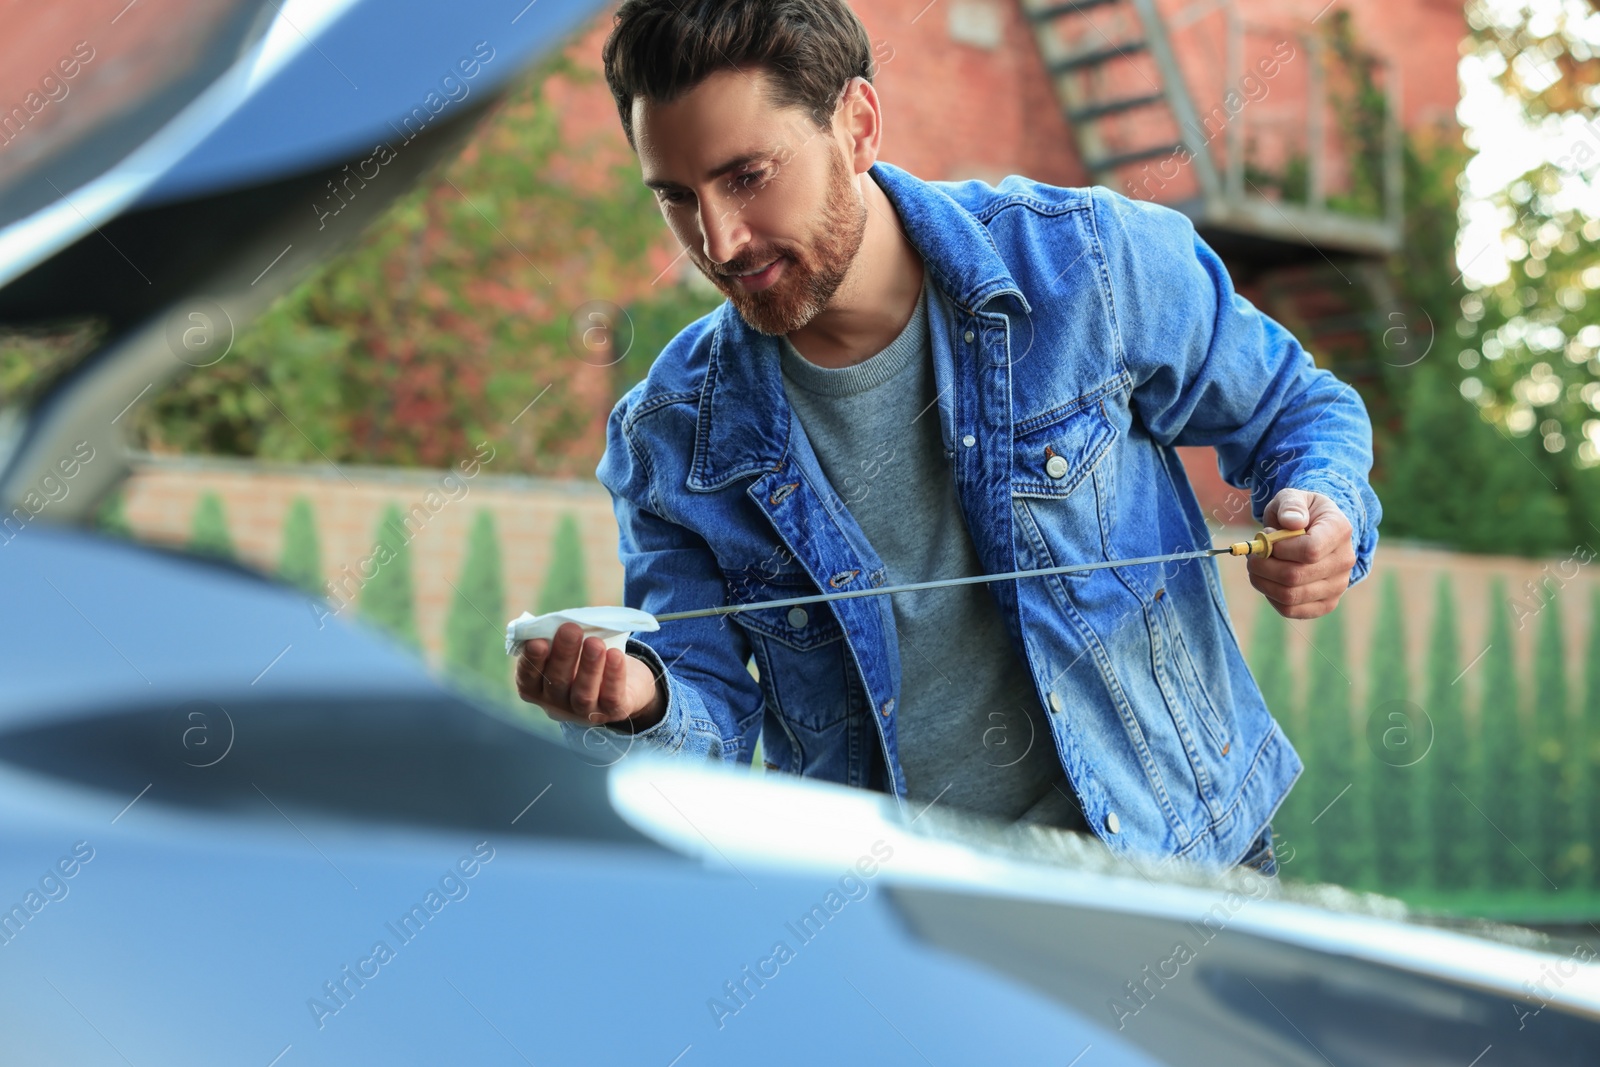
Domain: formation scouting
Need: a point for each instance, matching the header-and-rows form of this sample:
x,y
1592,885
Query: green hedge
x,y
1416,797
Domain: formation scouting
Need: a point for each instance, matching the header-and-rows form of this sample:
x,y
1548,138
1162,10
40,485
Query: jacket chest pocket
x,y
1055,452
799,650
1060,519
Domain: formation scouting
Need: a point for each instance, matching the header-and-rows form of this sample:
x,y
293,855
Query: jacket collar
x,y
744,419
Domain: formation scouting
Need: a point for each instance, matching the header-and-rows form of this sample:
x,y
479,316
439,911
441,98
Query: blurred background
x,y
1411,187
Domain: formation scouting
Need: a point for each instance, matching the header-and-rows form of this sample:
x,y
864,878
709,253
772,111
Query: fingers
x,y
562,675
1290,509
530,670
1306,601
1321,553
1302,612
585,691
562,664
614,685
1326,544
1305,576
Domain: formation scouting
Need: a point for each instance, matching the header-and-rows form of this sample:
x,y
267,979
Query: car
x,y
237,826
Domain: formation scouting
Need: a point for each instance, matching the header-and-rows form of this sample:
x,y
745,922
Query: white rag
x,y
612,625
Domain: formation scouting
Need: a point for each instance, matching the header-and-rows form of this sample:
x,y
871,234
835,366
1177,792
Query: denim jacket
x,y
1089,328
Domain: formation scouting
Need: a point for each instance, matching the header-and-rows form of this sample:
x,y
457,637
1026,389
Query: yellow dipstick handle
x,y
1261,544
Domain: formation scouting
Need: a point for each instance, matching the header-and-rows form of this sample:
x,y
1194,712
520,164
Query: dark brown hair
x,y
810,48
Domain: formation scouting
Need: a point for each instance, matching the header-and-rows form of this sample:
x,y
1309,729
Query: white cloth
x,y
612,625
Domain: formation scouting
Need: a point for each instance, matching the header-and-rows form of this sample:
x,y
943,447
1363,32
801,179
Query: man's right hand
x,y
577,679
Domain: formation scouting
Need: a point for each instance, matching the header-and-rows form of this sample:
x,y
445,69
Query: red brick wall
x,y
162,495
347,504
957,106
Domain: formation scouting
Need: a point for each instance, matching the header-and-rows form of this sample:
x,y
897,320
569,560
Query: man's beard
x,y
810,277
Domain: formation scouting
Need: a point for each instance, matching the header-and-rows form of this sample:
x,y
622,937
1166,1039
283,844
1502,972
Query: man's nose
x,y
723,230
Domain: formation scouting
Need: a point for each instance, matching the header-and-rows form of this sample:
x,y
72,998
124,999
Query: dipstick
x,y
1259,545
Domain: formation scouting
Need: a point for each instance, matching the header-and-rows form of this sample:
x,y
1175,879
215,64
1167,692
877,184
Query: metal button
x,y
1055,700
1113,824
969,440
1056,466
888,706
798,617
1160,593
970,335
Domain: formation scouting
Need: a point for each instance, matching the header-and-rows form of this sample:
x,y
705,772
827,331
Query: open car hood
x,y
197,224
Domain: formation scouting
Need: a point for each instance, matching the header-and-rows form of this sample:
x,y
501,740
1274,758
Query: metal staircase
x,y
1133,114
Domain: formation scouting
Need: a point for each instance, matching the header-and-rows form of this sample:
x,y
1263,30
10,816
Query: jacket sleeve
x,y
1208,368
714,705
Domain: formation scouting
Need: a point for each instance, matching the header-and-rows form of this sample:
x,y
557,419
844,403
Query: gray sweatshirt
x,y
971,731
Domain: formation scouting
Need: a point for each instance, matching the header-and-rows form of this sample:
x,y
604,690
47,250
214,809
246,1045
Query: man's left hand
x,y
1305,576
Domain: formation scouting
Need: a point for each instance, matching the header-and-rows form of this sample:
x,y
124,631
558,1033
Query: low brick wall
x,y
162,495
347,503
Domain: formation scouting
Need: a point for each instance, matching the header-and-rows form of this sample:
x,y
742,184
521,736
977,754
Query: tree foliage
x,y
1459,835
565,583
474,652
208,532
454,312
300,562
387,599
1396,815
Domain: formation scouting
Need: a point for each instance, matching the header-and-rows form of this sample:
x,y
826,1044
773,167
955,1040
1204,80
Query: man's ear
x,y
863,124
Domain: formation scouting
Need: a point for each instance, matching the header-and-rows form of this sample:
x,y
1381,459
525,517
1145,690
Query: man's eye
x,y
749,180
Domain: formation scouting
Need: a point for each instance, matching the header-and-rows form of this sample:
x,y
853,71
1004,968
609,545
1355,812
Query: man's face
x,y
789,197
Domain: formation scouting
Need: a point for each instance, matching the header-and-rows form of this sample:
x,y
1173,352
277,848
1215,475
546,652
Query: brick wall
x,y
966,94
162,495
347,504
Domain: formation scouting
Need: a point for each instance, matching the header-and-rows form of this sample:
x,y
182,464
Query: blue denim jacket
x,y
1091,327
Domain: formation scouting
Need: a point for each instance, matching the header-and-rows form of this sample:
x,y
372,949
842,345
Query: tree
x,y
111,517
1585,757
1534,343
1518,356
300,563
1506,783
208,532
1269,663
1503,507
1551,832
474,636
1396,816
565,585
1339,831
1459,855
386,598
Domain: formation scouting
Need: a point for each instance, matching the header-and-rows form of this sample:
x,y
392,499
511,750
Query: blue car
x,y
236,828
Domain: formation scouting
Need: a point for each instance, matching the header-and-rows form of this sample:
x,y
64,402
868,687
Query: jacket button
x,y
1056,466
1055,700
888,706
969,440
1113,824
969,336
797,617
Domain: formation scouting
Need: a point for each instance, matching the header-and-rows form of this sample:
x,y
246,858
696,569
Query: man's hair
x,y
660,51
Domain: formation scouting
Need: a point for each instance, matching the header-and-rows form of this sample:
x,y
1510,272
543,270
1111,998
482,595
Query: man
x,y
914,380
